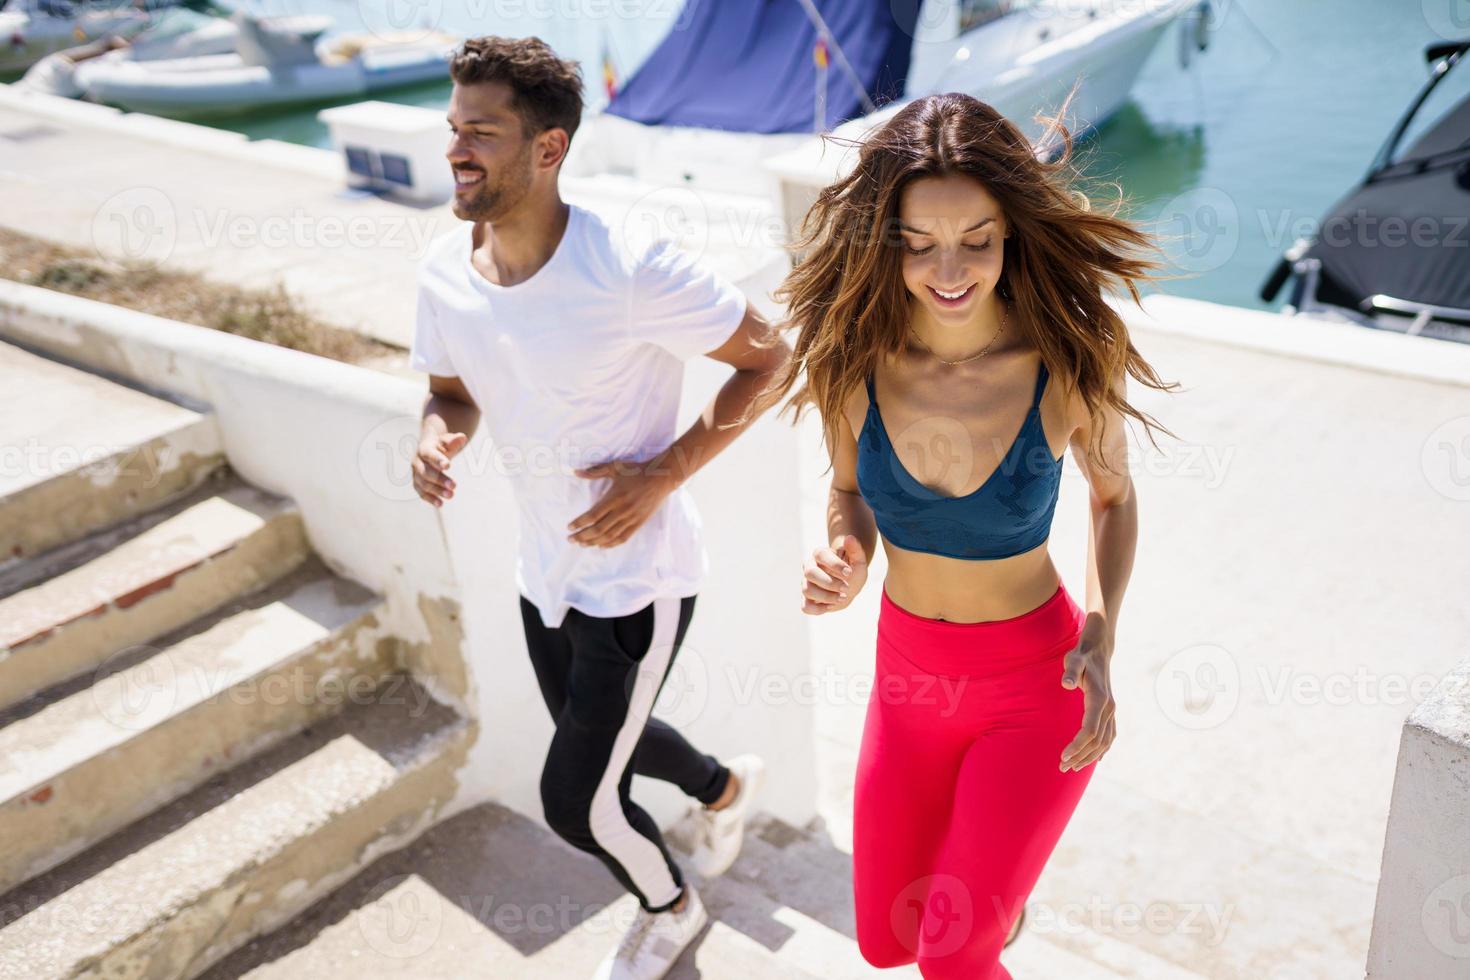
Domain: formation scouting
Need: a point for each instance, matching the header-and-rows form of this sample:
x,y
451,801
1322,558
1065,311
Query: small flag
x,y
609,73
819,54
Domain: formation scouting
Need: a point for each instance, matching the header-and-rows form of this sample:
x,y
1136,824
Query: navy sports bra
x,y
1010,513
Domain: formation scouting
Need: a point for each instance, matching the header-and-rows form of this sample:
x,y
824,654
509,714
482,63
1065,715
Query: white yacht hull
x,y
1021,64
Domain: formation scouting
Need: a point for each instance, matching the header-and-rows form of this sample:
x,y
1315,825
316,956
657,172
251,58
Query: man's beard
x,y
486,205
490,203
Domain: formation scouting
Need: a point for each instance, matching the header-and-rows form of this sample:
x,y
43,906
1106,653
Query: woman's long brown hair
x,y
846,296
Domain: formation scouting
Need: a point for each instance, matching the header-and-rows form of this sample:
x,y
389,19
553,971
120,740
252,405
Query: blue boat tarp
x,y
749,65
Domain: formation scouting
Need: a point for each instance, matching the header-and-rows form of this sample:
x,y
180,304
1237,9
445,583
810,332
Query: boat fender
x,y
1194,32
1204,25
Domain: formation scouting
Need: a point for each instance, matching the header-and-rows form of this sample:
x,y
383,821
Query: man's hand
x,y
636,492
431,466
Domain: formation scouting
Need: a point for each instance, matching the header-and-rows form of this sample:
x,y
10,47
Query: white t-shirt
x,y
580,364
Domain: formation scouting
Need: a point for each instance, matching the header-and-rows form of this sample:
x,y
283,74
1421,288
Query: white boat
x,y
32,29
711,109
182,34
275,61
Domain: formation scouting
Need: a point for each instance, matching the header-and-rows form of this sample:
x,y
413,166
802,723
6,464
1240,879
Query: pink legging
x,y
959,800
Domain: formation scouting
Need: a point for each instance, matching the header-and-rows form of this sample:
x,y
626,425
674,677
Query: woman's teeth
x,y
950,295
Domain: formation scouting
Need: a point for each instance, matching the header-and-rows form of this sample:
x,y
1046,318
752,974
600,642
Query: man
x,y
570,343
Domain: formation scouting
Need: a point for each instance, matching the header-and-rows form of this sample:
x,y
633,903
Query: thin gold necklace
x,y
983,351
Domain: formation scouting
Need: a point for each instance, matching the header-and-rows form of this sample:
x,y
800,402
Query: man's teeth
x,y
952,295
467,177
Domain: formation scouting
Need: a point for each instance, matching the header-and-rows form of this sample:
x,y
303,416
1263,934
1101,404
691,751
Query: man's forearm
x,y
724,418
443,415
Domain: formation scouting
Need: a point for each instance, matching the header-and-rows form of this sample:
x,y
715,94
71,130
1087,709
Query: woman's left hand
x,y
1087,665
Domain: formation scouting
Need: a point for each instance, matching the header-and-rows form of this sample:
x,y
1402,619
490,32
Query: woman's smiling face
x,y
952,234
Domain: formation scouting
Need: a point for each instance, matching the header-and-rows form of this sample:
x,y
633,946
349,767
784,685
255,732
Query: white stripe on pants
x,y
638,855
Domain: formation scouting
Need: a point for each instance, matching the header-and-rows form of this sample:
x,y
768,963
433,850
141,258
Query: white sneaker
x,y
654,941
721,831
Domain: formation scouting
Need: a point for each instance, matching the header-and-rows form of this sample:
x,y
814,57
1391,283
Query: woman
x,y
955,339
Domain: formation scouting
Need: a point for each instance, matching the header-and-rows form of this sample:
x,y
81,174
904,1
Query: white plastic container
x,y
394,148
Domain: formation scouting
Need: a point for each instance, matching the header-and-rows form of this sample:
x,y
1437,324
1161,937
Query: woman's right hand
x,y
833,576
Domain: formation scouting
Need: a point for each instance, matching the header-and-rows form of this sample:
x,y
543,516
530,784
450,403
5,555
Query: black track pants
x,y
600,678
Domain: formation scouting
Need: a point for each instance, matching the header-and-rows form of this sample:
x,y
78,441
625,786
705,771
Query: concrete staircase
x,y
491,895
203,729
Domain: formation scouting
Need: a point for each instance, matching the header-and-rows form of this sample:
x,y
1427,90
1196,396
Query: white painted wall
x,y
335,437
1419,920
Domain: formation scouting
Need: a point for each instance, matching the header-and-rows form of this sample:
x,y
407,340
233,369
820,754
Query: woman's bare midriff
x,y
964,591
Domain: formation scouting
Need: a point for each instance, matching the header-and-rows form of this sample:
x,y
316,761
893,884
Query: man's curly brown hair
x,y
547,89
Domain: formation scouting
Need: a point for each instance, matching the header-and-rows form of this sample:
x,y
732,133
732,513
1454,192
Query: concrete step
x,y
792,889
18,576
792,893
445,940
85,452
174,892
232,685
489,893
130,584
485,895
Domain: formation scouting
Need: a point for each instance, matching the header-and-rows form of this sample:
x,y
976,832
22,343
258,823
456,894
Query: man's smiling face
x,y
489,151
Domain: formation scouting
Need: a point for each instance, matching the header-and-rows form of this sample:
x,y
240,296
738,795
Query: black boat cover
x,y
1405,232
